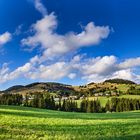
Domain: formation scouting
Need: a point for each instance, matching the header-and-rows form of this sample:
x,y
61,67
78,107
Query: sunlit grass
x,y
104,100
17,123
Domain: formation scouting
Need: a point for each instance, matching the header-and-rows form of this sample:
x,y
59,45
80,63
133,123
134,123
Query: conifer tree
x,y
108,106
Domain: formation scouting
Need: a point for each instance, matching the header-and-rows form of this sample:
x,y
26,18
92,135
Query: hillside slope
x,y
113,85
40,87
120,81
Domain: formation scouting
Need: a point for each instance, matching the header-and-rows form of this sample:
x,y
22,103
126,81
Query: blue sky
x,y
73,42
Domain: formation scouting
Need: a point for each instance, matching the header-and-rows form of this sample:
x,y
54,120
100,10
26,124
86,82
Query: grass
x,y
130,96
21,123
104,100
123,87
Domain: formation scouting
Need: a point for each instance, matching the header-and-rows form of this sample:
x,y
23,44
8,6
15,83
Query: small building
x,y
31,98
107,94
100,94
73,97
56,99
64,98
113,94
96,94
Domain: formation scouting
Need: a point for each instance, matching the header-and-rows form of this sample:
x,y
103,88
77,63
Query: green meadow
x,y
103,100
23,123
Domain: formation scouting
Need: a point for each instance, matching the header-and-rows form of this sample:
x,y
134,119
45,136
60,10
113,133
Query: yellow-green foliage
x,y
103,100
21,123
123,87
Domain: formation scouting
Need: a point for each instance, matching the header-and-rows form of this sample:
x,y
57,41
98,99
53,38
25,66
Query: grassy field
x,y
123,87
21,123
104,100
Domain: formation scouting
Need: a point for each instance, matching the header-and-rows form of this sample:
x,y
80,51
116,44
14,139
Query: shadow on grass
x,y
101,131
81,132
43,113
71,115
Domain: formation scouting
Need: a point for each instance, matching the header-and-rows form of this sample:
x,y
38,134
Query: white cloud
x,y
6,75
4,69
99,65
132,62
72,75
91,69
54,44
40,7
98,69
107,67
125,74
51,72
4,38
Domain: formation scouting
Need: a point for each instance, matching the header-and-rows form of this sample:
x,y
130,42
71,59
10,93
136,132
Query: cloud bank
x,y
91,69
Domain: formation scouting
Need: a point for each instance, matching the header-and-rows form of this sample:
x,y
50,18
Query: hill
x,y
120,81
29,123
15,88
107,87
41,87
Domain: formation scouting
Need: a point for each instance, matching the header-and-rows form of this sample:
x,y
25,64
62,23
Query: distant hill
x,y
119,81
63,89
40,87
16,87
92,83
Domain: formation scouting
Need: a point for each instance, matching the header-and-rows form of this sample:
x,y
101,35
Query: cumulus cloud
x,y
5,37
54,71
4,69
40,7
107,67
132,62
6,74
126,74
91,69
54,44
72,75
99,65
99,68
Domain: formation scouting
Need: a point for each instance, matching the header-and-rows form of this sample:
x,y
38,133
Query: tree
x,y
108,106
98,106
83,106
89,106
41,103
26,100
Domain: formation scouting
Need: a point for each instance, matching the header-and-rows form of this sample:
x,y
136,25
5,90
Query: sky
x,y
68,41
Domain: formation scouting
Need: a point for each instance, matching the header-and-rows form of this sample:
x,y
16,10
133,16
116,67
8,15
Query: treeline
x,y
90,106
39,101
48,102
122,104
11,99
133,90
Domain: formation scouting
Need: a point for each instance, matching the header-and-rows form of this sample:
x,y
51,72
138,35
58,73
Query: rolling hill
x,y
40,87
52,87
120,81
